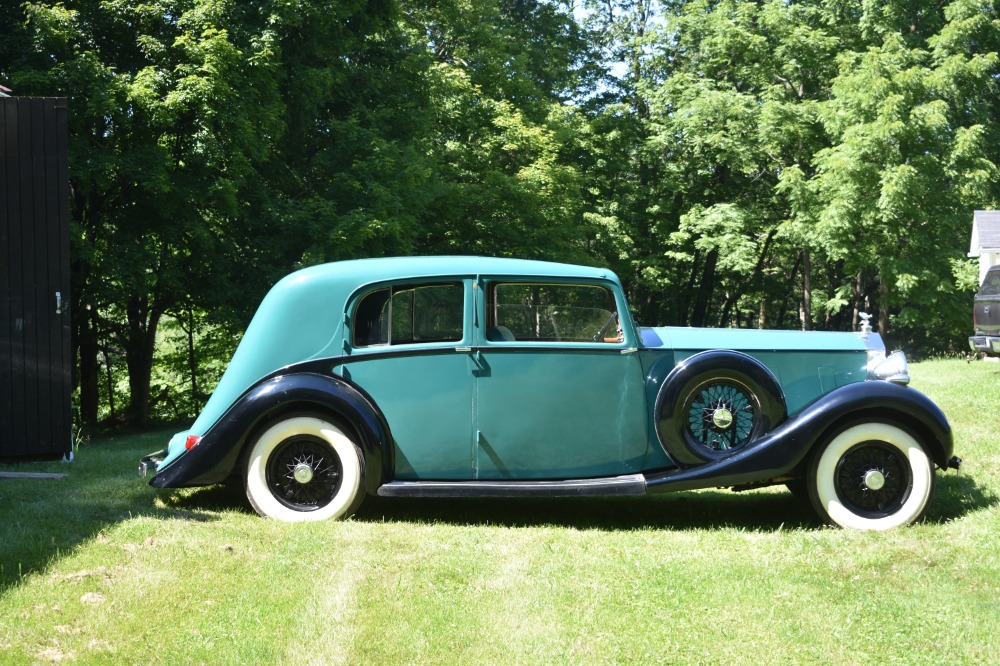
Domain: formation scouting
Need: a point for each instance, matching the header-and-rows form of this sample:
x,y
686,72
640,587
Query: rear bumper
x,y
151,462
985,343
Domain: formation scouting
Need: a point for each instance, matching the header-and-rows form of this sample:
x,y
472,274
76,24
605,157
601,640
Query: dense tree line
x,y
776,163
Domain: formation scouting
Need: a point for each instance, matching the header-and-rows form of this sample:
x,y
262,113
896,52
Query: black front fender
x,y
218,453
783,451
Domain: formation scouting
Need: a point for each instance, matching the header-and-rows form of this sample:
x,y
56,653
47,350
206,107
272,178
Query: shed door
x,y
35,381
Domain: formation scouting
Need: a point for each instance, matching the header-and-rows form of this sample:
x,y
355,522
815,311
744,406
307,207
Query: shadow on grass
x,y
44,519
770,510
762,511
958,495
758,511
222,497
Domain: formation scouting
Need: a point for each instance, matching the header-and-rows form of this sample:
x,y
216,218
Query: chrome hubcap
x,y
302,473
874,480
722,418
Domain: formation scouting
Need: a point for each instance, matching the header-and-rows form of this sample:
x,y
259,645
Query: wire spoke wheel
x,y
303,467
721,415
714,404
303,473
870,476
873,479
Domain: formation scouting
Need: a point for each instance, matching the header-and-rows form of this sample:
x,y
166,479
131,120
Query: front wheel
x,y
871,476
304,468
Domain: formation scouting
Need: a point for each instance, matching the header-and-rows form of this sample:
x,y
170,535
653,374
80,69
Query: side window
x,y
407,314
552,313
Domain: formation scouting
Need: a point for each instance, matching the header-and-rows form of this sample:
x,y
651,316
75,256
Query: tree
x,y
822,150
178,107
502,139
910,122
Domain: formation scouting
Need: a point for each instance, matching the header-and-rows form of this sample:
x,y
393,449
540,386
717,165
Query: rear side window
x,y
553,313
408,314
991,284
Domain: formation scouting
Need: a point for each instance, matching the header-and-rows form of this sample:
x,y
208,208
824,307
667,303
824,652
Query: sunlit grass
x,y
99,568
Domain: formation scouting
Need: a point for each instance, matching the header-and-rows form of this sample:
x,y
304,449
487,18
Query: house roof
x,y
985,232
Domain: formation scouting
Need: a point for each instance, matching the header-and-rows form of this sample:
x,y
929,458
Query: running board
x,y
628,484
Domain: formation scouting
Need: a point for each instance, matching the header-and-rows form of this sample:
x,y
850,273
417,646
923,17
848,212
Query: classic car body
x,y
470,376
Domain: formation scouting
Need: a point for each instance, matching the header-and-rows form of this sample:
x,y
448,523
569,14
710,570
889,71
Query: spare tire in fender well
x,y
738,397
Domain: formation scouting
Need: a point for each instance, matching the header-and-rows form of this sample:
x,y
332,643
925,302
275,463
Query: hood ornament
x,y
866,325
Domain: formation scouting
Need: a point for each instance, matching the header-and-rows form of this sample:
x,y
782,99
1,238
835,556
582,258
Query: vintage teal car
x,y
484,377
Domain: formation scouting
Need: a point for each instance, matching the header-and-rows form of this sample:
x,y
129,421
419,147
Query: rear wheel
x,y
871,476
304,468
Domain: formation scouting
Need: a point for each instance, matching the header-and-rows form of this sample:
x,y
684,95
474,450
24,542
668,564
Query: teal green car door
x,y
553,402
409,352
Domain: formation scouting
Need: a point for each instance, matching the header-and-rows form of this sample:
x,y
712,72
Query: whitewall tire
x,y
304,468
871,476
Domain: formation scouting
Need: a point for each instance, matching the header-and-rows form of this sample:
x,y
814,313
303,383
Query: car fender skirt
x,y
783,451
218,453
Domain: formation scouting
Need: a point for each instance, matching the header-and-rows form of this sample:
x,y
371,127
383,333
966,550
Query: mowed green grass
x,y
99,568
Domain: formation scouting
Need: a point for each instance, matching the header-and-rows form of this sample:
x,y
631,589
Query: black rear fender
x,y
220,451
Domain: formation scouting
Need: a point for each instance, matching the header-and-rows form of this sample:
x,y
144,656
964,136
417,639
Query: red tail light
x,y
191,441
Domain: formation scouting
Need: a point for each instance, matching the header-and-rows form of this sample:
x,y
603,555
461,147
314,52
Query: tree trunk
x,y
193,364
139,346
883,307
790,289
703,296
89,372
753,282
682,297
855,319
805,314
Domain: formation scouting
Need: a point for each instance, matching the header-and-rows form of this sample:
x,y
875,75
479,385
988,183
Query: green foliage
x,y
780,164
845,144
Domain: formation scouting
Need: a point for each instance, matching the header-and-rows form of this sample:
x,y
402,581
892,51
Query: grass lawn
x,y
100,568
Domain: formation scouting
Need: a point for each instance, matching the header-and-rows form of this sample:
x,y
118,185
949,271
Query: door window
x,y
553,313
407,314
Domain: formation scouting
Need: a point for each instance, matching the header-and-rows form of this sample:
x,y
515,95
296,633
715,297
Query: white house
x,y
985,240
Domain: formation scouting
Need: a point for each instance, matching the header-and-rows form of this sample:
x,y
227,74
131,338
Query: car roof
x,y
362,271
311,303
